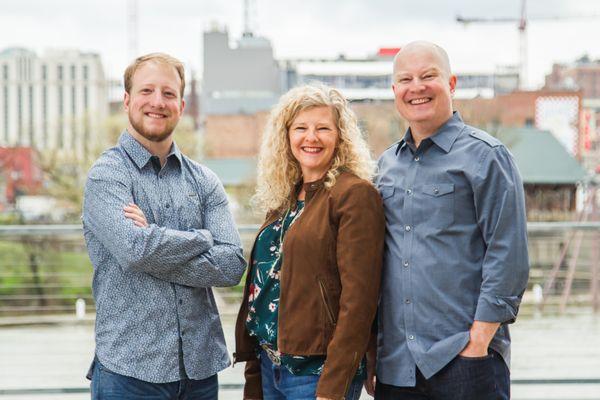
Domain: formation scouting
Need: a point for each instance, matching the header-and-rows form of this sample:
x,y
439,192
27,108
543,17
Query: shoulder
x,y
481,137
201,172
111,165
390,151
349,184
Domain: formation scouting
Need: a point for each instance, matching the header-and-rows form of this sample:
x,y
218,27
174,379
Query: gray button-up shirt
x,y
456,248
155,310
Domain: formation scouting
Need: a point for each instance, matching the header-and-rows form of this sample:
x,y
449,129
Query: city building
x,y
582,75
370,78
558,111
56,101
240,79
19,174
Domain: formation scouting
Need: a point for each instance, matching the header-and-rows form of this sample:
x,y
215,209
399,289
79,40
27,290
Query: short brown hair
x,y
159,58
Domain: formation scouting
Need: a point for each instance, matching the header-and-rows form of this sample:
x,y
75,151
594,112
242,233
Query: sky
x,y
310,28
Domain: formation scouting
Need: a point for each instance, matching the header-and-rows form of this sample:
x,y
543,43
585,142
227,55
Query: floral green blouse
x,y
263,297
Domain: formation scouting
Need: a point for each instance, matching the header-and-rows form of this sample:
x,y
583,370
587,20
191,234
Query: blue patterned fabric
x,y
156,317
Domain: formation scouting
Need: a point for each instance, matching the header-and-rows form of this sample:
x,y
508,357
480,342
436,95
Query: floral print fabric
x,y
263,295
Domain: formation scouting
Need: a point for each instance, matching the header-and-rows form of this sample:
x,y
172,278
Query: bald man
x,y
456,262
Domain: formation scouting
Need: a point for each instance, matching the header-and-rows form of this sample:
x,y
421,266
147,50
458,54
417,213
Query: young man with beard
x,y
456,263
159,234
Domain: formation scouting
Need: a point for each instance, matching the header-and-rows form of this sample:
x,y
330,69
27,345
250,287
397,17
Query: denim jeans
x,y
479,378
279,384
108,385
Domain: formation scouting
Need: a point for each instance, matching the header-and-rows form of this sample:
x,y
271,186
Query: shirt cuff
x,y
502,309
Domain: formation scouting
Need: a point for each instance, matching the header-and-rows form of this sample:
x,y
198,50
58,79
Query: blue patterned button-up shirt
x,y
456,248
156,317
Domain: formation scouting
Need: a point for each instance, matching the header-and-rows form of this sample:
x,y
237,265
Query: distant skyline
x,y
309,29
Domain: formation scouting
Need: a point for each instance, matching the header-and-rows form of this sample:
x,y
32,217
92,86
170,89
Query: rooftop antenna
x,y
249,6
132,28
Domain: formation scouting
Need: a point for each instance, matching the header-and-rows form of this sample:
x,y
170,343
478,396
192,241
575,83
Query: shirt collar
x,y
138,153
445,136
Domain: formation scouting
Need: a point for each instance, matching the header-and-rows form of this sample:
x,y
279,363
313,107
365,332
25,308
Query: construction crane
x,y
522,22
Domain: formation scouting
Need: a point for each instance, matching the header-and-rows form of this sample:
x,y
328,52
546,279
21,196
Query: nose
x,y
157,100
416,85
311,135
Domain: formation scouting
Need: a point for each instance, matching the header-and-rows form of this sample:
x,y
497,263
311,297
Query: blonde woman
x,y
313,281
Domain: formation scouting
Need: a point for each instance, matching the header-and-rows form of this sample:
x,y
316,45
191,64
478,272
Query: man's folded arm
x,y
182,257
223,264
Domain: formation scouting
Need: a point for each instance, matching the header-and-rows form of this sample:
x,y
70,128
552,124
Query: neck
x,y
160,149
422,130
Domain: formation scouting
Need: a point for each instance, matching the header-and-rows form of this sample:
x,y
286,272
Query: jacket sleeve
x,y
500,207
360,237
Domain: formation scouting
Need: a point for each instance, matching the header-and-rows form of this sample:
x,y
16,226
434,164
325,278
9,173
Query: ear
x,y
126,99
452,83
182,106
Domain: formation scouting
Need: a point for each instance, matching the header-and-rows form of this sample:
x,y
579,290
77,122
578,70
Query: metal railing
x,y
44,269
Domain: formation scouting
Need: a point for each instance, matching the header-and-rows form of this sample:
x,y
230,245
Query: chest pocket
x,y
437,205
190,213
393,201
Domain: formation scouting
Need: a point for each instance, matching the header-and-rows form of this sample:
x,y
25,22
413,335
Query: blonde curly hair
x,y
279,171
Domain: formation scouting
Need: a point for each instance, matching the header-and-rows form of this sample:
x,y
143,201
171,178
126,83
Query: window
x,y
31,141
72,72
60,72
61,117
45,115
6,116
19,114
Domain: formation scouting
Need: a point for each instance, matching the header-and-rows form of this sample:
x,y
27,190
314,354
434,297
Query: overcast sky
x,y
311,28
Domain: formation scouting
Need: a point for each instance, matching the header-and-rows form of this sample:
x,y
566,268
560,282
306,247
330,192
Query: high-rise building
x,y
57,101
240,79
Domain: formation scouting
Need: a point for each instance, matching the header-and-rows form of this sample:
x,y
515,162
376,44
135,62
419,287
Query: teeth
x,y
311,149
419,101
152,115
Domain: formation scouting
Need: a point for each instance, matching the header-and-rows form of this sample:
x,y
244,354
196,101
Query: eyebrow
x,y
428,70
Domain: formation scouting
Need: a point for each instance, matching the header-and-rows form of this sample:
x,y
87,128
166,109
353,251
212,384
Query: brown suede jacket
x,y
329,282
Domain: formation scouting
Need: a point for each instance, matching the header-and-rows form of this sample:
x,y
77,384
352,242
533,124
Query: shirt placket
x,y
412,172
164,180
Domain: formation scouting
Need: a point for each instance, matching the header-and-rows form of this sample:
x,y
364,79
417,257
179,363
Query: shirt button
x,y
406,264
417,158
436,190
182,333
167,205
407,301
180,301
407,228
408,192
411,337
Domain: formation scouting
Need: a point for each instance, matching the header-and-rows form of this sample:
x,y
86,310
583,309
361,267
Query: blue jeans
x,y
480,378
108,385
279,384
